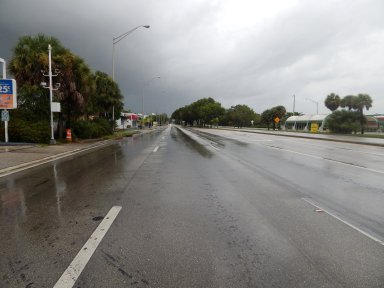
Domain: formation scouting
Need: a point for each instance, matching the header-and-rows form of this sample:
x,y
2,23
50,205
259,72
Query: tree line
x,y
208,112
85,96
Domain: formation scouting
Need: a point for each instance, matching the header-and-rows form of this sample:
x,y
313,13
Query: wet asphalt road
x,y
226,210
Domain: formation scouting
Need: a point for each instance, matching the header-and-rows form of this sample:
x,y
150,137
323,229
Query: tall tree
x,y
203,111
332,102
107,95
76,88
30,60
358,103
241,115
268,116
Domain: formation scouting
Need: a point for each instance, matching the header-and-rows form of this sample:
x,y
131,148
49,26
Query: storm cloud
x,y
258,53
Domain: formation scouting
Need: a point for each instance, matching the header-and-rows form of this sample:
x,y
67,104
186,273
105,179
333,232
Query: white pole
x,y
50,92
5,122
115,40
4,68
294,100
113,78
113,61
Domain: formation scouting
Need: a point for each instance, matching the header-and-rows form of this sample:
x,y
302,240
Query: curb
x,y
307,137
24,166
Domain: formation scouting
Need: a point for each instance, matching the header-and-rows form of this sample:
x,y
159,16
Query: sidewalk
x,y
20,157
16,157
325,137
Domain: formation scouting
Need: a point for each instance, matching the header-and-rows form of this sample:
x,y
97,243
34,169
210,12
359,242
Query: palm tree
x,y
363,101
76,86
332,102
30,60
358,103
26,65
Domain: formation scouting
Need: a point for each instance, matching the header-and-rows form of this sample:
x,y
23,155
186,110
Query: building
x,y
127,120
303,122
375,123
380,121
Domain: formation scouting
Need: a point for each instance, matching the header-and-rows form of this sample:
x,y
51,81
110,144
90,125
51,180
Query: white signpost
x,y
8,97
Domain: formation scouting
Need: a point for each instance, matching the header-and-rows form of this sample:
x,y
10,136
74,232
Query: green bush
x,y
27,131
344,122
88,129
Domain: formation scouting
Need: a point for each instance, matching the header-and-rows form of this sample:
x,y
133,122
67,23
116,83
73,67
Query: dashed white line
x,y
343,221
70,276
156,148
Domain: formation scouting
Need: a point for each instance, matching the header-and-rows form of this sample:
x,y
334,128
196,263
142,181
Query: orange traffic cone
x,y
69,135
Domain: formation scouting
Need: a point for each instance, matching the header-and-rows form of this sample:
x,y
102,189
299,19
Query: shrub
x,y
27,131
344,122
88,129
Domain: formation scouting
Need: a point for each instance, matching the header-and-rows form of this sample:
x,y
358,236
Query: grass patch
x,y
119,135
377,136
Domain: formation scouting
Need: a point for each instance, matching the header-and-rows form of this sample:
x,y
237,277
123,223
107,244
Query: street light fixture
x,y
116,40
142,94
317,105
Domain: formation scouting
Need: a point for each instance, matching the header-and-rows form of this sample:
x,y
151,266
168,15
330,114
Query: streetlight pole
x,y
50,87
116,40
142,94
317,105
50,92
294,100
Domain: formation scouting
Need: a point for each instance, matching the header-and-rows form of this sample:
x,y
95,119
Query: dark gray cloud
x,y
257,53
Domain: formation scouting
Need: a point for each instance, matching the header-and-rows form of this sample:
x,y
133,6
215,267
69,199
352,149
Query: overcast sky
x,y
258,53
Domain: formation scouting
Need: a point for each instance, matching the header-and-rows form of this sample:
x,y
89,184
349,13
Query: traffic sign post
x,y
8,98
4,115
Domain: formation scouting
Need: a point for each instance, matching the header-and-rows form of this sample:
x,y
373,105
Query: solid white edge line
x,y
156,148
326,159
70,276
343,221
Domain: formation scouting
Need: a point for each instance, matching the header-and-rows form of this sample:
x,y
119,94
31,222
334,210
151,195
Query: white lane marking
x,y
295,152
156,148
326,159
337,147
343,221
69,277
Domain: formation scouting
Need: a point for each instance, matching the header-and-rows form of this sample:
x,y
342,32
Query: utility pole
x,y
294,100
50,87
